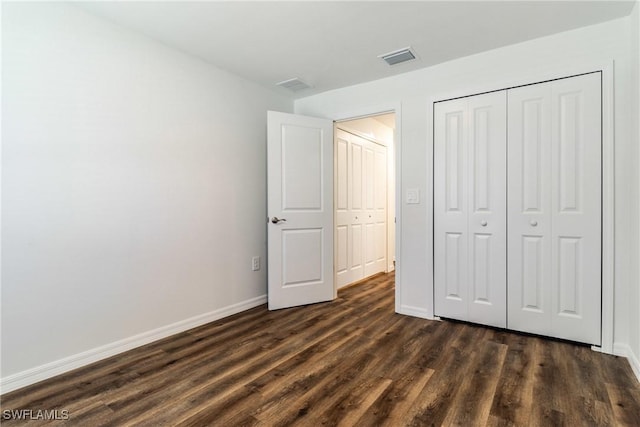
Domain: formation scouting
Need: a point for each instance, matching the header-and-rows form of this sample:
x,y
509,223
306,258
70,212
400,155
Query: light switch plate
x,y
413,196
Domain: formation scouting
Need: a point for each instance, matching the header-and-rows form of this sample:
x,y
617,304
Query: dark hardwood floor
x,y
351,362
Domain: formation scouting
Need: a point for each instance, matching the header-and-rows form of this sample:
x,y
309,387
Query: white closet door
x,y
380,208
356,210
488,209
369,210
555,208
450,209
529,207
469,209
361,210
343,223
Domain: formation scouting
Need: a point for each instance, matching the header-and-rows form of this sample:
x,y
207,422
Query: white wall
x,y
599,43
133,189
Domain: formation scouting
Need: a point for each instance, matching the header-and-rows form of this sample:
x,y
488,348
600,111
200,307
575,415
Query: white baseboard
x,y
622,349
48,370
410,310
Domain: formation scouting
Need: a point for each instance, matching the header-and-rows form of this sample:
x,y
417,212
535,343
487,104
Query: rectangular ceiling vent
x,y
398,56
294,84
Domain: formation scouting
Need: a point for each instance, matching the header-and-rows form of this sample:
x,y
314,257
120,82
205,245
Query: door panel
x,y
302,172
342,245
454,268
576,208
300,184
529,195
487,215
450,211
357,193
380,215
342,193
343,223
368,214
555,129
301,265
531,289
357,267
369,249
469,208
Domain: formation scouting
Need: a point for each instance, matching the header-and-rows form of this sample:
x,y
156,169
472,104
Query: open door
x,y
300,209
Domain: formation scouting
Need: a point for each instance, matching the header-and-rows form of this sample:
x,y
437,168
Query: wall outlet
x,y
255,263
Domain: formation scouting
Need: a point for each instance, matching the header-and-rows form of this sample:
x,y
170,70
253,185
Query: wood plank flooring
x,y
351,362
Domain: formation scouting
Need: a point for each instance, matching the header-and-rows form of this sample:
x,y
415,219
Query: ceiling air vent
x,y
398,56
294,84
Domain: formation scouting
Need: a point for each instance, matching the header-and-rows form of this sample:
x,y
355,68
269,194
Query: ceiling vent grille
x,y
294,84
398,56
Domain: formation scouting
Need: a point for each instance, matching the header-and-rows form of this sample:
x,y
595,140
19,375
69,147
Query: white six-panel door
x,y
470,208
555,208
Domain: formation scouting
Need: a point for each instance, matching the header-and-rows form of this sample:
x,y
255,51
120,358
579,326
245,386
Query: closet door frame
x,y
608,253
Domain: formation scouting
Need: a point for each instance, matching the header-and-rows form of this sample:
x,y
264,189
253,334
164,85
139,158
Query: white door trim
x,y
608,181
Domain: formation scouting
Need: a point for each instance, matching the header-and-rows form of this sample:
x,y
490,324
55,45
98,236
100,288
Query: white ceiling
x,y
335,44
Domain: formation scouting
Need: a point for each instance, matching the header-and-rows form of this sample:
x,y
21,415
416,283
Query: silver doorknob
x,y
483,223
533,222
277,220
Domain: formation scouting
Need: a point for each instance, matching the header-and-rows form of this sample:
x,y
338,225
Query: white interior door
x,y
470,209
300,208
555,208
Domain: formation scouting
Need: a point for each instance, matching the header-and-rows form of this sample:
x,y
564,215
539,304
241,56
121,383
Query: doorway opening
x,y
364,197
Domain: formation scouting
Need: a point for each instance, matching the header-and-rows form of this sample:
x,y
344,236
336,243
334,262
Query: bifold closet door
x,y
470,209
554,208
350,210
361,208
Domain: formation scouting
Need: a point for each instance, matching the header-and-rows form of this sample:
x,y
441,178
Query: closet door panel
x,y
450,209
575,208
555,209
487,169
342,209
380,214
369,209
356,211
529,197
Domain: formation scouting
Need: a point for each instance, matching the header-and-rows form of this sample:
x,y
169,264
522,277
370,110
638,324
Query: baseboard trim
x,y
49,370
622,349
410,310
